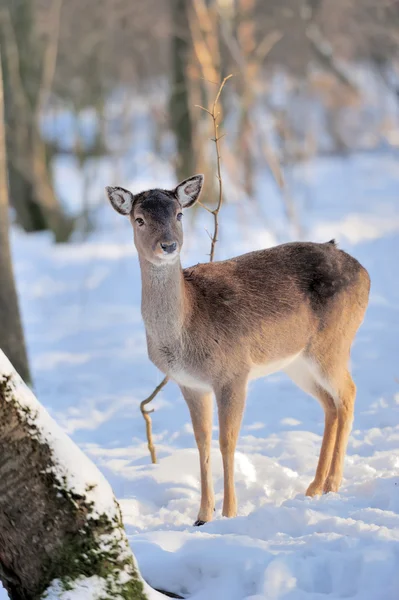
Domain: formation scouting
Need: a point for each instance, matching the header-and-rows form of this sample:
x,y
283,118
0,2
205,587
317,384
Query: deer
x,y
212,327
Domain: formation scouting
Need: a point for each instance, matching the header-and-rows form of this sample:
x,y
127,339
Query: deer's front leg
x,y
231,401
200,406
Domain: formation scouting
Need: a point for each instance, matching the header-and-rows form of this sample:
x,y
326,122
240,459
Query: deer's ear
x,y
121,199
188,191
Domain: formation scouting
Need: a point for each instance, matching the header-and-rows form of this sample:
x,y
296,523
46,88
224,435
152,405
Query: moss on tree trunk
x,y
55,534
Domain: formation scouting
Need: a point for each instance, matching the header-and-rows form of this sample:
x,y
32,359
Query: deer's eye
x,y
140,221
179,216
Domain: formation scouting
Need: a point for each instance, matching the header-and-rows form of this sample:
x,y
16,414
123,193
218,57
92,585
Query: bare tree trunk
x,y
60,526
179,102
205,32
21,187
27,82
245,139
11,333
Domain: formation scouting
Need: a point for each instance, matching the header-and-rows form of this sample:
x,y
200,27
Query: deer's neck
x,y
163,301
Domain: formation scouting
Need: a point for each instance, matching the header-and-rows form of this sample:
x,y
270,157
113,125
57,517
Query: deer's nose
x,y
168,247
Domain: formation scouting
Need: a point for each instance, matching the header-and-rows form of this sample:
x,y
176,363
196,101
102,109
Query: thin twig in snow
x,y
146,414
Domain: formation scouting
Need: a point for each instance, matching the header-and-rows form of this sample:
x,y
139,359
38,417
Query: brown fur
x,y
295,307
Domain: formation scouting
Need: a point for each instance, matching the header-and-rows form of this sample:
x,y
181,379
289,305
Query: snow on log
x,y
61,532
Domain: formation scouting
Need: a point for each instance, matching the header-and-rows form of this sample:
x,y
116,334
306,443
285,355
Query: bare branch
x,y
205,207
202,108
216,139
218,96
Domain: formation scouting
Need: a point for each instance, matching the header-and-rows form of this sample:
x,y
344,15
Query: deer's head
x,y
156,217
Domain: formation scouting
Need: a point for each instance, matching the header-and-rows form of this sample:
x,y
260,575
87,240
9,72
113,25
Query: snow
x,y
85,588
81,310
89,588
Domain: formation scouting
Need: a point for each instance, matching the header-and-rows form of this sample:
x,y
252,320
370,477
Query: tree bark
x,y
31,191
179,103
60,526
11,333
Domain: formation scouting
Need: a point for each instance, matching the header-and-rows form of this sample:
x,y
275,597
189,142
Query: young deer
x,y
212,327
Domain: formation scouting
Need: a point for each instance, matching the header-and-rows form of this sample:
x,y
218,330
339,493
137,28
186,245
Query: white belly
x,y
187,380
258,371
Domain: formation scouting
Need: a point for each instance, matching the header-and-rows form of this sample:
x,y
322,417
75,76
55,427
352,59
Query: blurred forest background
x,y
112,86
312,77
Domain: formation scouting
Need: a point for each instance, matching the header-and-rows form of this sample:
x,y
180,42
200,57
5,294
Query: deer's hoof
x,y
331,485
199,523
315,489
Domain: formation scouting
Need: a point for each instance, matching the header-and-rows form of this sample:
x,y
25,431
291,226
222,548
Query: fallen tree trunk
x,y
61,531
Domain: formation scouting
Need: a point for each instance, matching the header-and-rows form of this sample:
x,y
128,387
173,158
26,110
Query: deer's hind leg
x,y
303,372
327,445
345,409
324,369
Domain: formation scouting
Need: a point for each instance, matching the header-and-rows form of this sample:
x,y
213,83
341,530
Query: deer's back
x,y
301,279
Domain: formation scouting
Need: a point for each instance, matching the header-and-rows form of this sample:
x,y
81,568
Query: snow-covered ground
x,y
81,310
